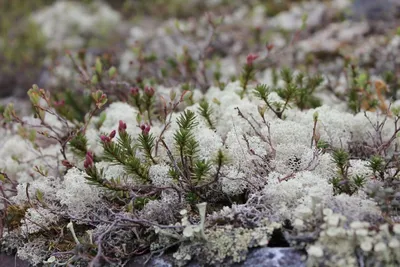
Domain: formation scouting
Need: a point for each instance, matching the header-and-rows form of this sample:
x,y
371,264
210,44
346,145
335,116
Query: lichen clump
x,y
226,245
341,243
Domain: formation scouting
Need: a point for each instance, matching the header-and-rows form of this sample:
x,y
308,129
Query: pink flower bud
x,y
145,128
112,134
121,127
89,160
250,59
149,91
134,91
105,139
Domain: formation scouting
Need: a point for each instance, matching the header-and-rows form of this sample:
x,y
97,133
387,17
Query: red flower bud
x,y
149,91
250,59
134,91
105,139
112,134
89,160
145,128
121,127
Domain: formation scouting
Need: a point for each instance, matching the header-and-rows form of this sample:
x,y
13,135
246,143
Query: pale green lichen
x,y
340,243
225,245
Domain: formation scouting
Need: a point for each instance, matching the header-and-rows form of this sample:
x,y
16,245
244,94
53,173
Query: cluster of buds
x,y
121,127
88,160
107,139
134,91
149,91
145,128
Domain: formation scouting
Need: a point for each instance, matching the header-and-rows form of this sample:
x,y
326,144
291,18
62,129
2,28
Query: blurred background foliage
x,y
23,46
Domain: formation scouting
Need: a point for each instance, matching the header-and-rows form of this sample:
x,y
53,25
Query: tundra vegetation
x,y
190,141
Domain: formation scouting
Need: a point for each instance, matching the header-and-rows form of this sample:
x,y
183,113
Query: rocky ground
x,y
197,44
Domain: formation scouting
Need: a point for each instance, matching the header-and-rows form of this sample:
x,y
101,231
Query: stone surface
x,y
261,257
274,257
375,10
11,261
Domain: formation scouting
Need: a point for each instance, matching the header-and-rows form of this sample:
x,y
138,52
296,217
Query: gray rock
x,y
274,257
373,10
261,257
12,261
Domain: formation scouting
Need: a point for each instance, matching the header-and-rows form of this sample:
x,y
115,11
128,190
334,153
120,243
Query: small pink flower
x,y
134,91
89,160
250,59
121,127
149,91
